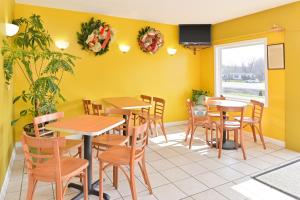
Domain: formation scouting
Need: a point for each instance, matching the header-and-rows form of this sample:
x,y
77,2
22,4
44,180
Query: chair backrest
x,y
86,106
121,113
225,114
138,141
33,155
189,106
257,110
146,99
96,108
40,122
208,101
159,106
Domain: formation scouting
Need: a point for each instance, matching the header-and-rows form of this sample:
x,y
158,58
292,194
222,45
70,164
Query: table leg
x,y
91,186
227,144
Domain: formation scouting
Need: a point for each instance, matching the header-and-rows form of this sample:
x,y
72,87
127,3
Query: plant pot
x,y
29,129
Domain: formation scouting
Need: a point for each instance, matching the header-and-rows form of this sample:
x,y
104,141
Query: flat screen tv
x,y
195,34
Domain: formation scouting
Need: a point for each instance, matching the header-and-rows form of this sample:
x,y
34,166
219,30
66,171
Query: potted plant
x,y
29,51
198,96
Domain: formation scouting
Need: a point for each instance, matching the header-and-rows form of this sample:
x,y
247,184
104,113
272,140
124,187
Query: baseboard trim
x,y
274,141
7,176
176,123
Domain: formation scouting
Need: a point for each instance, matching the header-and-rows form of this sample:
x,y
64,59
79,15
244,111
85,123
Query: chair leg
x,y
253,132
261,136
220,143
31,188
187,132
236,142
132,184
163,129
116,176
192,136
101,173
59,190
206,134
149,125
85,185
142,165
155,128
242,144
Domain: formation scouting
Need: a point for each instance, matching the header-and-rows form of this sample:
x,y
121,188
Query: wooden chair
x,y
96,108
158,116
211,110
40,131
51,167
144,112
103,142
86,106
227,124
198,121
123,156
255,120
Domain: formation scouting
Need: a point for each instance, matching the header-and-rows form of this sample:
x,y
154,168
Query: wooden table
x,y
129,103
227,144
87,126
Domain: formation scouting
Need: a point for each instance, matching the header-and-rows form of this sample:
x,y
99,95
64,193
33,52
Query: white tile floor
x,y
176,172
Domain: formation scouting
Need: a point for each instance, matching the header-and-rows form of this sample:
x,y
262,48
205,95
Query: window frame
x,y
217,66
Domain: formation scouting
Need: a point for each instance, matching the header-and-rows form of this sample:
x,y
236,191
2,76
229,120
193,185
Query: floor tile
x,y
228,173
180,160
210,179
229,192
156,180
209,195
161,165
175,174
210,164
193,168
244,168
190,186
168,192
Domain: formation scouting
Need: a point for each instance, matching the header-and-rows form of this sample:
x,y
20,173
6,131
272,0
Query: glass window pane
x,y
243,72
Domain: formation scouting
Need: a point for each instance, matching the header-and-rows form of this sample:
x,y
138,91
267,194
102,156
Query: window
x,y
241,70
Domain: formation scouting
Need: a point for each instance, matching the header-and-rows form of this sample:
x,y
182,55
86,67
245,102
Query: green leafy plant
x,y
43,69
197,95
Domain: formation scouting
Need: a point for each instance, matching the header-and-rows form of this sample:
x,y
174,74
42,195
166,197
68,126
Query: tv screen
x,y
195,34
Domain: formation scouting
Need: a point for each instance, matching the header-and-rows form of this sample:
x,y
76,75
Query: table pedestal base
x,y
227,145
92,191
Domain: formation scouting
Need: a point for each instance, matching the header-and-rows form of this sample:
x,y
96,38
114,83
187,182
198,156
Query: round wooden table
x,y
227,144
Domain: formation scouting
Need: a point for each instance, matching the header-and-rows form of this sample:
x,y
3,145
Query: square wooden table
x,y
128,103
87,126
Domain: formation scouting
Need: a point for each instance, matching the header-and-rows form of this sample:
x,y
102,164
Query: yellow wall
x,y
115,73
280,119
6,134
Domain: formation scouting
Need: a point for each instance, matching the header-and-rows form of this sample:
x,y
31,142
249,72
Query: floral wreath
x,y
150,40
95,36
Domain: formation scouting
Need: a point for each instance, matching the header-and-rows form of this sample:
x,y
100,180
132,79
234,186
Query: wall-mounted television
x,y
195,34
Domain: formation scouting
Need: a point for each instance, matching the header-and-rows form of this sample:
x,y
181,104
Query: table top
x,y
86,124
129,103
227,103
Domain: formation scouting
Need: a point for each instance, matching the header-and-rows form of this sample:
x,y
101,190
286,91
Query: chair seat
x,y
69,167
118,155
213,114
248,120
110,140
230,124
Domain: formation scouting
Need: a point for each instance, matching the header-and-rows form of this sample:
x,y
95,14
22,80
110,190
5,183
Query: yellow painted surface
x,y
6,134
281,117
117,74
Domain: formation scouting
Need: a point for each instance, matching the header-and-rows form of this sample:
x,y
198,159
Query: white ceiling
x,y
166,11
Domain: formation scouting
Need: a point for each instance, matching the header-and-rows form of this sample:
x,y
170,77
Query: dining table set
x,y
89,126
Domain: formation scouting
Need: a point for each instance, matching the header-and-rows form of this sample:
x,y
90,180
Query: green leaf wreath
x,y
150,39
95,36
